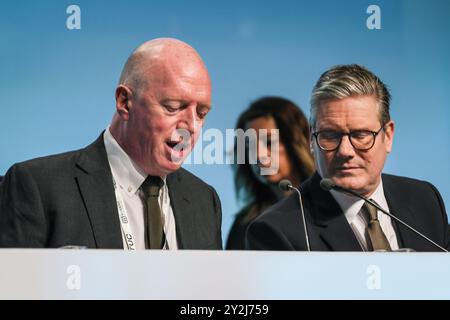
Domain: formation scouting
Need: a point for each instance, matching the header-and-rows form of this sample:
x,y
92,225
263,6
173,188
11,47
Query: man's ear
x,y
123,101
389,135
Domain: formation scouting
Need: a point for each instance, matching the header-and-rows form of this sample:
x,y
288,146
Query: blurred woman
x,y
258,191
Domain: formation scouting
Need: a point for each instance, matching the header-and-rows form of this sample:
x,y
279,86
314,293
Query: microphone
x,y
286,185
328,184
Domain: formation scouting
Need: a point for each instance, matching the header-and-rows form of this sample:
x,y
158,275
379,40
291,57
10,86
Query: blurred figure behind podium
x,y
126,190
295,160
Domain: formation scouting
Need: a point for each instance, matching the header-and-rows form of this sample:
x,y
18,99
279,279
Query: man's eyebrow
x,y
184,102
204,105
327,128
173,100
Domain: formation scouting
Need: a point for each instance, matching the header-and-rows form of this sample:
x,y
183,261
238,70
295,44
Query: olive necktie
x,y
376,234
154,232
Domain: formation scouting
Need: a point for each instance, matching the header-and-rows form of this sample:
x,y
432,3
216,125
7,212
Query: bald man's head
x,y
162,100
150,61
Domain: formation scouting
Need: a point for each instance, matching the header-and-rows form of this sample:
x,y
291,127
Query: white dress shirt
x,y
351,206
129,178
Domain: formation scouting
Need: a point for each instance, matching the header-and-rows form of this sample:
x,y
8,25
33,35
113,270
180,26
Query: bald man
x,y
126,190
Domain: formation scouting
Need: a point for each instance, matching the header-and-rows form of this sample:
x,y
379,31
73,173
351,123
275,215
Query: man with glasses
x,y
352,134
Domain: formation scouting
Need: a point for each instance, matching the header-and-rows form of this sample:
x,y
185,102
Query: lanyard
x,y
124,221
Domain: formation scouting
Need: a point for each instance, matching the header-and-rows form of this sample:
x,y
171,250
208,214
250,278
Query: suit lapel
x,y
182,210
95,184
403,211
339,236
329,219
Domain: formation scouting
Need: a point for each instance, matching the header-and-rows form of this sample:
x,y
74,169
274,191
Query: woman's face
x,y
264,149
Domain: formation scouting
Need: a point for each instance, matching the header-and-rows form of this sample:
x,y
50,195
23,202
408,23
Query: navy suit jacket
x,y
68,199
280,227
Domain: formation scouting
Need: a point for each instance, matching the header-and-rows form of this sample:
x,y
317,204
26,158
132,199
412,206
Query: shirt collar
x,y
351,205
128,174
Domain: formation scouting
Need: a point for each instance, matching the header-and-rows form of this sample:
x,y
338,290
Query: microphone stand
x,y
286,185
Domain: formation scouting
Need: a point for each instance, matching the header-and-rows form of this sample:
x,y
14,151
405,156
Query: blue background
x,y
57,85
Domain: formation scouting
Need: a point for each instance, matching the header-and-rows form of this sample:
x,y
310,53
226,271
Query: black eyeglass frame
x,y
349,134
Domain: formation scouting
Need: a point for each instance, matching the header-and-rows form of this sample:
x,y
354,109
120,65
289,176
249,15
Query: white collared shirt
x,y
129,178
351,206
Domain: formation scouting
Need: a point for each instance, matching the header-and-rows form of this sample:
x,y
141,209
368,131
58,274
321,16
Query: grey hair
x,y
350,80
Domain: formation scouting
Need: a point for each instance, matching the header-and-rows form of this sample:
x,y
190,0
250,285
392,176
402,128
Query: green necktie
x,y
154,232
376,234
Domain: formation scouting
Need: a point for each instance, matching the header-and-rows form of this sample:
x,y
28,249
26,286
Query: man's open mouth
x,y
177,145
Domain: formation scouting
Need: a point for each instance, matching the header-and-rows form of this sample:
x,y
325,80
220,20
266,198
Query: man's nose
x,y
346,148
189,120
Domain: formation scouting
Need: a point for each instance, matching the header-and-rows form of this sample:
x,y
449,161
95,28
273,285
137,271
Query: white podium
x,y
221,275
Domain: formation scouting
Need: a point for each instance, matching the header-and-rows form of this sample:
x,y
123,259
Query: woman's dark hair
x,y
294,134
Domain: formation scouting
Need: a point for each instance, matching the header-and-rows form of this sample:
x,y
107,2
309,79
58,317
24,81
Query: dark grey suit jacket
x,y
280,227
68,199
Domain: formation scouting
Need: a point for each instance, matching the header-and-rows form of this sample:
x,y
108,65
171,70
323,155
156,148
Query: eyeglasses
x,y
362,140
